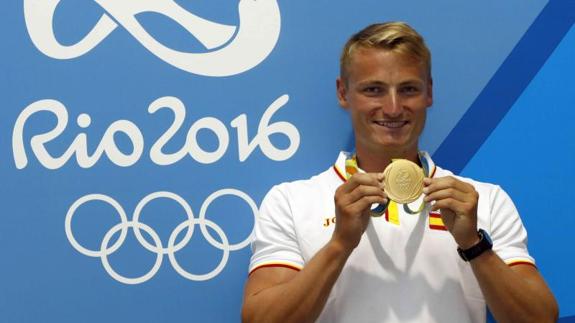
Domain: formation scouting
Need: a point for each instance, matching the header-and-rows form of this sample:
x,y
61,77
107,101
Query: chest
x,y
396,246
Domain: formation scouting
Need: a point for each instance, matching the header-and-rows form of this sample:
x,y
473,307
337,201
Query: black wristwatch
x,y
484,244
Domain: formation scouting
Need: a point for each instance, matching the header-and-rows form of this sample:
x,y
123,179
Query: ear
x,y
341,92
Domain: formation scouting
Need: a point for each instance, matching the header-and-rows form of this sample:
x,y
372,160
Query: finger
x,y
364,204
457,207
436,184
447,203
361,191
447,193
369,179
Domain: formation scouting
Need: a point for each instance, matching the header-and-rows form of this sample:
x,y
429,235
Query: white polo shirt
x,y
405,268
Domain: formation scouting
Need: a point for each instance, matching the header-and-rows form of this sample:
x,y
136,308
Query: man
x,y
400,267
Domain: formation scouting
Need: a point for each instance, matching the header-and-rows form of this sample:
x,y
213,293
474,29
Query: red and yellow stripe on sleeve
x,y
519,261
283,264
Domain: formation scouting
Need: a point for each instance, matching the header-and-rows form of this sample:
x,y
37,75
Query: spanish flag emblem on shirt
x,y
435,221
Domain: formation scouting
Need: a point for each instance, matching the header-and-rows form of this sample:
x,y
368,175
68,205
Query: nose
x,y
391,105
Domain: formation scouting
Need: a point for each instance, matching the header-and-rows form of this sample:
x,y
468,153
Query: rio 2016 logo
x,y
231,50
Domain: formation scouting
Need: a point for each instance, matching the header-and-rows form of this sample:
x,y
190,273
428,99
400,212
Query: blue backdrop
x,y
138,138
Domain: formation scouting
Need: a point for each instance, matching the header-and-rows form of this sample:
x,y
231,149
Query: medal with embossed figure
x,y
403,183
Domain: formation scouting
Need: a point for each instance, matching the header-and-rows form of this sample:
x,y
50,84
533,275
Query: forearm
x,y
302,298
510,297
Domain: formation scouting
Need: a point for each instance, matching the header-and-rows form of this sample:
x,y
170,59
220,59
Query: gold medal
x,y
403,181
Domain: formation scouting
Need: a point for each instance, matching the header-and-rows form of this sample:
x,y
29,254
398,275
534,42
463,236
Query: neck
x,y
373,162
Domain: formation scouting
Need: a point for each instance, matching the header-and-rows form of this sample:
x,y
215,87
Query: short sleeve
x,y
275,241
507,231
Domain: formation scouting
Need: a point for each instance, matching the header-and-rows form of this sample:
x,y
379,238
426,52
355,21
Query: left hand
x,y
457,202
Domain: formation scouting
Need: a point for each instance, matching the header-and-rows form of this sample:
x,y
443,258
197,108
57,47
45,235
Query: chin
x,y
396,146
394,143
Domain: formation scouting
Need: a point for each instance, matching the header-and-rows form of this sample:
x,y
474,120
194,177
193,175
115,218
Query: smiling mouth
x,y
391,124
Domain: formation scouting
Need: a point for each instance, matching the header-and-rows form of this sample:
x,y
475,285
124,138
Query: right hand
x,y
353,200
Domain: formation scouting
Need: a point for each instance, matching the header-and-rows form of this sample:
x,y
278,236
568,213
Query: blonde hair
x,y
395,36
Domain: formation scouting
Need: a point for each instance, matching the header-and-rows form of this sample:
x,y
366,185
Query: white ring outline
x,y
183,204
225,249
204,208
112,272
72,211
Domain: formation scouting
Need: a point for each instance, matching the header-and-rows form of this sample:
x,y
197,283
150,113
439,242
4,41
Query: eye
x,y
409,90
372,90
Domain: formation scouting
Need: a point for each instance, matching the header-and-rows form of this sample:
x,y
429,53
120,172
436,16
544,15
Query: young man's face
x,y
387,95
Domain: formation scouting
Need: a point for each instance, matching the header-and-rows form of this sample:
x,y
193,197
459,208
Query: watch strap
x,y
473,252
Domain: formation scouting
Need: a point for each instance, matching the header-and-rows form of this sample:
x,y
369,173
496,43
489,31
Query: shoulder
x,y
329,179
326,181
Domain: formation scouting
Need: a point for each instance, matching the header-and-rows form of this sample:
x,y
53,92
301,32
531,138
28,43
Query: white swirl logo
x,y
172,247
255,37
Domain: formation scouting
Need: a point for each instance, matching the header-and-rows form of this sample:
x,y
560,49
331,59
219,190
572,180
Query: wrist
x,y
469,242
484,244
338,248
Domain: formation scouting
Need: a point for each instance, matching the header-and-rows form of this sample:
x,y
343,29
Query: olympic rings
x,y
172,246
